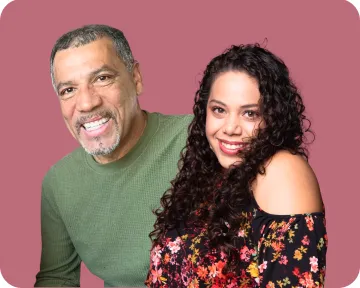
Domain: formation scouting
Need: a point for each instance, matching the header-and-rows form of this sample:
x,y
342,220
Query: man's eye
x,y
67,91
103,78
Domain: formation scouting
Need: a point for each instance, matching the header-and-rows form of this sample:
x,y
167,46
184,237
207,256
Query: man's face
x,y
98,95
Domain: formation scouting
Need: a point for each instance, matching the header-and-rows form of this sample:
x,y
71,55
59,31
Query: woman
x,y
245,209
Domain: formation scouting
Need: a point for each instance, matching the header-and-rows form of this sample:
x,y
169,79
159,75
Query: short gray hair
x,y
87,34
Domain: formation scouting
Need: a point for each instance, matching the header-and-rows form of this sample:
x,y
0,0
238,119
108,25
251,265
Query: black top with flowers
x,y
275,251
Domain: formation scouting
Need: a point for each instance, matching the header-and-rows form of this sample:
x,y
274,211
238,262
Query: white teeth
x,y
95,125
232,146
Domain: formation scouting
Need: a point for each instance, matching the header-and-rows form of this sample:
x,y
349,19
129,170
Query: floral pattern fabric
x,y
275,251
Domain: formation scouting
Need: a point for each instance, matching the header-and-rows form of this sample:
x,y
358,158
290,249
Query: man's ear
x,y
136,74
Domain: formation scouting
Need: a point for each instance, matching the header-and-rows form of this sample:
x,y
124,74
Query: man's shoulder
x,y
175,122
70,161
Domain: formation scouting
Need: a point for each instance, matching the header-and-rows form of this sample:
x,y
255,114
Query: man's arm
x,y
60,263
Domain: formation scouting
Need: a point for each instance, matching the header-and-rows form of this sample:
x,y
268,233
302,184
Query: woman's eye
x,y
218,110
251,113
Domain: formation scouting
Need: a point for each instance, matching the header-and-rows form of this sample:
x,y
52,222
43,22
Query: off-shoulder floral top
x,y
275,251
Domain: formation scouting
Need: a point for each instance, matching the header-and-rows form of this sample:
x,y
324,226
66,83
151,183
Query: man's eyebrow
x,y
62,84
91,75
102,69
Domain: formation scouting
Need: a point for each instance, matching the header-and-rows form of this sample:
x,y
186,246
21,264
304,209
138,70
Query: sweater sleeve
x,y
291,250
60,263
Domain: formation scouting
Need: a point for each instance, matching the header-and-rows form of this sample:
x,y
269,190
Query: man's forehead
x,y
86,58
98,48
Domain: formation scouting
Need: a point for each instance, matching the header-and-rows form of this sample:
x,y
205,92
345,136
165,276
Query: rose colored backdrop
x,y
173,41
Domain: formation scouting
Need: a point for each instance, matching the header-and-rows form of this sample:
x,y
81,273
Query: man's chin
x,y
100,149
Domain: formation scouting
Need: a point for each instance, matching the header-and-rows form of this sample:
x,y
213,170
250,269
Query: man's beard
x,y
100,150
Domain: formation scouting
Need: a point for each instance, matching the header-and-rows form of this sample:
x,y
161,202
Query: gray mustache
x,y
83,119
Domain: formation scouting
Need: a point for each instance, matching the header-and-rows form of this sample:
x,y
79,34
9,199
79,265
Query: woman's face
x,y
233,114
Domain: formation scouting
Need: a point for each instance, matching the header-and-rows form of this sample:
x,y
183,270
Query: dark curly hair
x,y
200,174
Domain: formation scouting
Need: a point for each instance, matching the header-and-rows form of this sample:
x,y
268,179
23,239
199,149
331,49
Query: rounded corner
x,y
3,5
355,283
355,4
4,283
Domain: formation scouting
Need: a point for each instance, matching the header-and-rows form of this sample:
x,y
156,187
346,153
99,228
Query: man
x,y
97,201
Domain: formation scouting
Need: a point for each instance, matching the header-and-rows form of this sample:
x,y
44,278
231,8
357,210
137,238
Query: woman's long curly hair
x,y
200,173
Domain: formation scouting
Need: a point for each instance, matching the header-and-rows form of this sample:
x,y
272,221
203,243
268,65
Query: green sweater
x,y
102,214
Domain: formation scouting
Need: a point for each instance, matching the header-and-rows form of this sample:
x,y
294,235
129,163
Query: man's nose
x,y
87,100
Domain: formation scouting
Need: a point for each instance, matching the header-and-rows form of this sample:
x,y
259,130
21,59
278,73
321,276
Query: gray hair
x,y
87,34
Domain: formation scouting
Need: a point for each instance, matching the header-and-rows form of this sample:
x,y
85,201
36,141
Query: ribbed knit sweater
x,y
102,214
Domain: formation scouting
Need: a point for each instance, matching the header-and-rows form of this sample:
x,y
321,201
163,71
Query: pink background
x,y
173,41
